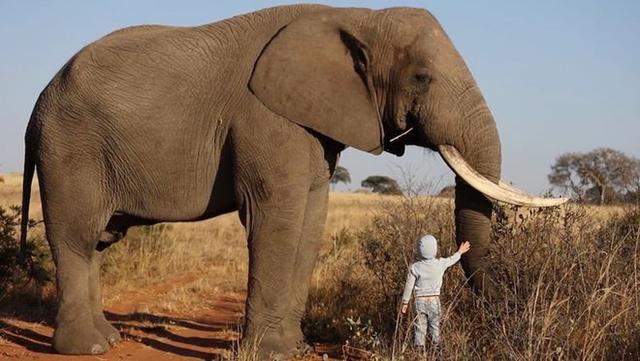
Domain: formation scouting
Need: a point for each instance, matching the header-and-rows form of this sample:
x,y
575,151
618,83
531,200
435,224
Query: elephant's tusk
x,y
501,192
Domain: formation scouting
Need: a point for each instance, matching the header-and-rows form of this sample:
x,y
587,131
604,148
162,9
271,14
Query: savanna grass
x,y
567,279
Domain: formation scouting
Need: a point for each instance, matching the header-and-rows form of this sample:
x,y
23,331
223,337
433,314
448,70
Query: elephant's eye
x,y
421,78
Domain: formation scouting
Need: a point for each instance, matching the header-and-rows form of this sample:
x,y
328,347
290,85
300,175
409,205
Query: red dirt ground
x,y
203,335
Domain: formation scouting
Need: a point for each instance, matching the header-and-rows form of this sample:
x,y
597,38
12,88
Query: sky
x,y
559,76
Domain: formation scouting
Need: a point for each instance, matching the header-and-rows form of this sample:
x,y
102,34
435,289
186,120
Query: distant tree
x,y
447,191
603,175
633,197
381,184
341,175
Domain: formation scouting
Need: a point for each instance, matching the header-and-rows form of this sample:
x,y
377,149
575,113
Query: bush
x,y
23,282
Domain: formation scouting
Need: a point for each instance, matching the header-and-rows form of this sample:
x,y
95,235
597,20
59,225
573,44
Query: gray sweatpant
x,y
427,319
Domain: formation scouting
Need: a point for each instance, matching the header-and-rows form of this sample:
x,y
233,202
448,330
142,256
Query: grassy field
x,y
567,280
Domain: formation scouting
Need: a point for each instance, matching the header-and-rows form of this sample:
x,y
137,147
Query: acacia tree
x,y
341,175
603,175
382,184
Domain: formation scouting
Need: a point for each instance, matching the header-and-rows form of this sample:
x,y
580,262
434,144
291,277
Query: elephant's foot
x,y
294,333
271,345
110,333
266,350
79,339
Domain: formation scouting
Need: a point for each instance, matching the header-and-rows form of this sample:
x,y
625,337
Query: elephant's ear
x,y
314,73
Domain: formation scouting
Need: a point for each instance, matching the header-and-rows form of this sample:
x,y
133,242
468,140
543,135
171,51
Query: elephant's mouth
x,y
502,191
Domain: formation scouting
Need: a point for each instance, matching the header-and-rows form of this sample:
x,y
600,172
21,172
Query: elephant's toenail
x,y
97,349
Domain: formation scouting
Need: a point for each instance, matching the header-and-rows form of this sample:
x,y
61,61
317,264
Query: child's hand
x,y
464,247
404,308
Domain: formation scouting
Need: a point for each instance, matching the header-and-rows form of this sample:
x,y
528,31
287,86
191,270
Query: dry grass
x,y
567,286
11,194
568,279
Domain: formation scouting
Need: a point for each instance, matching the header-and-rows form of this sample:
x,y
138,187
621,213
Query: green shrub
x,y
23,282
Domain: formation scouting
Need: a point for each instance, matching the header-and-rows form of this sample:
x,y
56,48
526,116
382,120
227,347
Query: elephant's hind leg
x,y
110,333
74,218
75,329
116,229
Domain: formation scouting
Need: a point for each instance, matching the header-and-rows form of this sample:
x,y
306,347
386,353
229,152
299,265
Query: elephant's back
x,y
153,105
160,66
184,74
137,29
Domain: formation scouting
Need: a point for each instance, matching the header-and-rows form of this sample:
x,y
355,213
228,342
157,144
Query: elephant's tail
x,y
29,169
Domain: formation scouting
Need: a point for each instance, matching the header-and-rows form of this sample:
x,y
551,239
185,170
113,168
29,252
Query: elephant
x,y
157,124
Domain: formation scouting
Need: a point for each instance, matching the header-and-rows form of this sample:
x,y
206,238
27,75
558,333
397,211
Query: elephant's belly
x,y
179,191
170,208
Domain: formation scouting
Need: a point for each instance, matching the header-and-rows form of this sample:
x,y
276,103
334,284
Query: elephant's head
x,y
380,80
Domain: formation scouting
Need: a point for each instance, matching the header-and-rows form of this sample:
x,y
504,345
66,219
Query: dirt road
x,y
148,336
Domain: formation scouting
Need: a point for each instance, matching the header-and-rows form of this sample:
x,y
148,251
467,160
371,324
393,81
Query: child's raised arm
x,y
450,261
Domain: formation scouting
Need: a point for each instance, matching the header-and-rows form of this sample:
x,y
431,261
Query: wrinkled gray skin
x,y
154,124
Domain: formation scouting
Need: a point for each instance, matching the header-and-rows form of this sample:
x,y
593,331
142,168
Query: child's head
x,y
427,246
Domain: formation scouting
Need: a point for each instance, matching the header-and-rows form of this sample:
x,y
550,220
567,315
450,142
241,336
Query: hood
x,y
427,246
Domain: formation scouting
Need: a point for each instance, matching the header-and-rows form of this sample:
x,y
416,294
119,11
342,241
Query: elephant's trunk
x,y
473,209
478,145
472,216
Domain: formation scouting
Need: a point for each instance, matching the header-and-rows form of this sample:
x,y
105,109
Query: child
x,y
425,278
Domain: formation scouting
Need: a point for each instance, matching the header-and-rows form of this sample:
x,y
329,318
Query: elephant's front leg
x,y
308,249
274,226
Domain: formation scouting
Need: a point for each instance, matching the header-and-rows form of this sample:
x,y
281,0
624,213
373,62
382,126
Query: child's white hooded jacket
x,y
425,275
